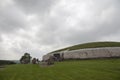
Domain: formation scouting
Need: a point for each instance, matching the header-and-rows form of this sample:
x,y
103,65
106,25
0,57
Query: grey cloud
x,y
109,25
57,24
11,19
35,6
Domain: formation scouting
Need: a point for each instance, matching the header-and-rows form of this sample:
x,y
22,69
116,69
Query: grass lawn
x,y
100,69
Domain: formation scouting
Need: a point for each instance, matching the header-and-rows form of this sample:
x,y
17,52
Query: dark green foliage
x,y
25,59
91,45
6,62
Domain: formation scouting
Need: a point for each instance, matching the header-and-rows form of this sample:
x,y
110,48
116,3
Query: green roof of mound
x,y
91,45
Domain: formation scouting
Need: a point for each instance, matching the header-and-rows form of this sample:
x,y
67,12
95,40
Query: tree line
x,y
26,59
6,62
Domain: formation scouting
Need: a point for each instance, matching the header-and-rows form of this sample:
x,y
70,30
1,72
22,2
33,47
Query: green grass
x,y
100,69
91,45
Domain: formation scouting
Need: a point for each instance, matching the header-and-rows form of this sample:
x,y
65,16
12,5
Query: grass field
x,y
99,69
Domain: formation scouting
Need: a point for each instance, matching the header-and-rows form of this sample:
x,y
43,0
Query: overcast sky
x,y
41,26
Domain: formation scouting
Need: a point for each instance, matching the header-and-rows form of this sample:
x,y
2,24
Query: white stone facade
x,y
89,53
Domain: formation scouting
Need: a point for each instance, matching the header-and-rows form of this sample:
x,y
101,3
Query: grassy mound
x,y
106,69
91,45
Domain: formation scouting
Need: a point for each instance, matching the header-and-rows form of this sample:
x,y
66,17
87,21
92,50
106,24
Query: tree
x,y
25,59
34,60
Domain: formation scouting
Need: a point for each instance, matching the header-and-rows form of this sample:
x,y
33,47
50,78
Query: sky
x,y
41,26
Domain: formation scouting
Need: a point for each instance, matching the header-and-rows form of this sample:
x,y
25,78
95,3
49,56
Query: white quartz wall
x,y
89,53
93,53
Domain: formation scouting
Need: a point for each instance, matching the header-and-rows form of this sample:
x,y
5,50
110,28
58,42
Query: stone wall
x,y
46,57
93,53
89,53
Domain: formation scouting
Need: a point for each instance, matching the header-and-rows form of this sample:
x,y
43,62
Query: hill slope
x,y
91,45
